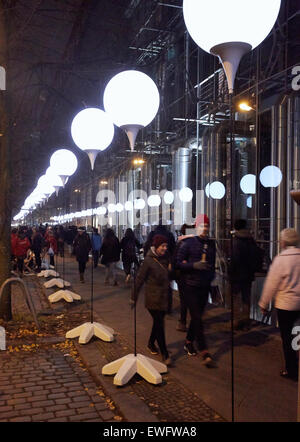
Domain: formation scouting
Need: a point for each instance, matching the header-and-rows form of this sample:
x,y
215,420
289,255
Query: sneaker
x,y
189,348
153,349
181,327
207,360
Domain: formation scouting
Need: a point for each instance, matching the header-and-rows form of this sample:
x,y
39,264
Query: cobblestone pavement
x,y
50,386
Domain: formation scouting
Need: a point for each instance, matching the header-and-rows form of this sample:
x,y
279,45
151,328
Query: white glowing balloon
x,y
45,186
207,190
248,184
102,210
213,22
131,98
249,202
111,208
92,131
168,197
217,190
270,176
54,179
185,194
154,201
119,207
128,205
64,162
139,204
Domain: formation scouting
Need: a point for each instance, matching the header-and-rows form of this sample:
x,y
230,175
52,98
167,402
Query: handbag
x,y
50,251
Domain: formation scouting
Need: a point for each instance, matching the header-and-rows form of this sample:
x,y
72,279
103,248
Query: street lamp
x,y
92,131
131,98
229,29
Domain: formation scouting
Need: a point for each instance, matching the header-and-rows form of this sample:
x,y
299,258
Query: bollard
x,y
2,338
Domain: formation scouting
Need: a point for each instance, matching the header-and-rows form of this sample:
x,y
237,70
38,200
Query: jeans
x,y
52,260
96,257
127,264
38,260
20,263
196,300
81,266
111,269
158,331
286,321
183,308
241,292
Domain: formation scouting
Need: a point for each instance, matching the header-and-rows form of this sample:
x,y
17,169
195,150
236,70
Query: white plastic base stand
x,y
47,273
89,329
56,282
67,295
127,366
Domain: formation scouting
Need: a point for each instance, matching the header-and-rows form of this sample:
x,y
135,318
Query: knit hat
x,y
201,219
158,240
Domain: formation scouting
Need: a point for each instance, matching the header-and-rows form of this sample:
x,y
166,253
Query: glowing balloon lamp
x,y
131,98
229,29
64,162
92,131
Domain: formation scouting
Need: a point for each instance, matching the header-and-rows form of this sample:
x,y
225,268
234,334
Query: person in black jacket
x,y
110,252
81,246
129,245
244,262
196,257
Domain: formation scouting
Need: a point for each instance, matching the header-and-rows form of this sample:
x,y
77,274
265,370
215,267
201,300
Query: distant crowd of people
x,y
190,261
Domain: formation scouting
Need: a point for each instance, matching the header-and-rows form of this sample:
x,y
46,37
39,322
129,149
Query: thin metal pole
x,y
232,156
92,272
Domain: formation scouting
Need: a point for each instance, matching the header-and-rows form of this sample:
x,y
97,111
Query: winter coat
x,y
21,246
37,243
245,257
51,242
128,247
191,251
82,246
110,250
13,239
155,274
283,281
96,241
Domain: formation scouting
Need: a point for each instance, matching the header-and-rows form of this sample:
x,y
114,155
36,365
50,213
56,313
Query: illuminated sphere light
x,y
249,202
111,208
217,190
270,176
45,186
139,204
213,22
207,190
131,98
102,210
92,129
119,207
64,162
248,184
54,179
168,197
154,200
185,194
128,205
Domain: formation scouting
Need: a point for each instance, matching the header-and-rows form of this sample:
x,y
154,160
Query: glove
x,y
200,265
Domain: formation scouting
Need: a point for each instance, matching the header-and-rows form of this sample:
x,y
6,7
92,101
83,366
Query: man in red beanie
x,y
196,258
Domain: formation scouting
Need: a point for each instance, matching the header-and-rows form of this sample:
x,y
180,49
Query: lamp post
x,y
92,131
63,163
229,30
132,100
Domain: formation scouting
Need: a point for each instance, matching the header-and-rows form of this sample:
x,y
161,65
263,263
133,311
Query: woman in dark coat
x,y
110,252
82,245
154,272
129,245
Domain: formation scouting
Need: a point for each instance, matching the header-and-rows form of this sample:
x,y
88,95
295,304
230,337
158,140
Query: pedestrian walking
x,y
129,246
37,246
282,286
51,244
179,276
110,252
21,246
60,236
82,245
96,246
196,258
246,259
154,273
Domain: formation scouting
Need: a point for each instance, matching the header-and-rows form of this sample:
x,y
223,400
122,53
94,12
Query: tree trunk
x,y
5,181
